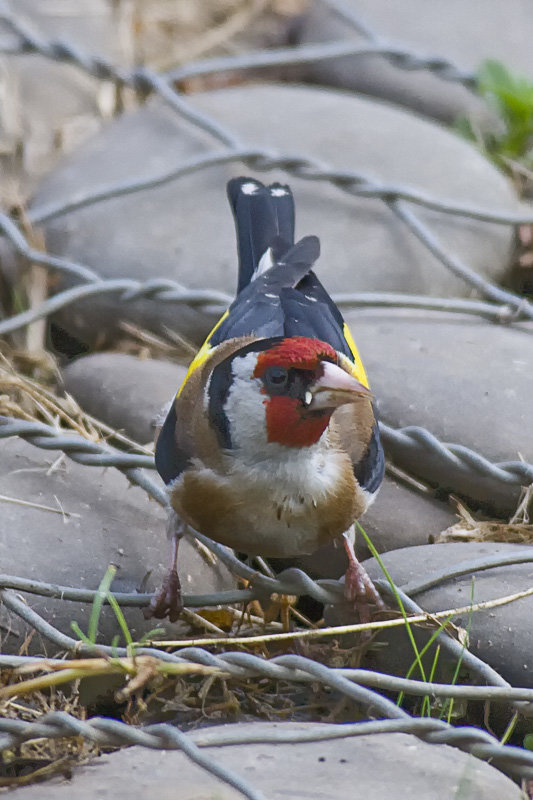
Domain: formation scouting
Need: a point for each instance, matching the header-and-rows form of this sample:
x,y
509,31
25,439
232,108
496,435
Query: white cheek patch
x,y
245,407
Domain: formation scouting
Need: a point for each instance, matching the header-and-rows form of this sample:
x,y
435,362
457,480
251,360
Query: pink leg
x,y
167,601
358,586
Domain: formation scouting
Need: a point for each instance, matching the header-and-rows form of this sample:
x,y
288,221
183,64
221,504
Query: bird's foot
x,y
358,587
360,591
167,601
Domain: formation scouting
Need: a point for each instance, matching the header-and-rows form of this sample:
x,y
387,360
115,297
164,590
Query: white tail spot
x,y
249,188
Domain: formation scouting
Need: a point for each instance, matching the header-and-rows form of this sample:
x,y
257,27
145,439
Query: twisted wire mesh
x,y
499,305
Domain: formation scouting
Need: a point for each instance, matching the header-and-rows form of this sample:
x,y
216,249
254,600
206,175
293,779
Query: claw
x,y
358,586
167,601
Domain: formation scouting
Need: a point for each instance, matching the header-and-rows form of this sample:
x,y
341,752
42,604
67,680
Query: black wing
x,y
257,309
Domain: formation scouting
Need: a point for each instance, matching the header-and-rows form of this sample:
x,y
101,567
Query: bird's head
x,y
281,391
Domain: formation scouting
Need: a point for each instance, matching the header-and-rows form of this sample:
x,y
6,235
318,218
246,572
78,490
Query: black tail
x,y
264,218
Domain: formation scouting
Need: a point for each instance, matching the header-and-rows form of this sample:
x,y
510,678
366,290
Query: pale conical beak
x,y
334,388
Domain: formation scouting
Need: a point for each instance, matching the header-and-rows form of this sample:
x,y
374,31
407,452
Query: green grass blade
x,y
460,659
423,652
397,598
426,702
96,610
80,634
122,622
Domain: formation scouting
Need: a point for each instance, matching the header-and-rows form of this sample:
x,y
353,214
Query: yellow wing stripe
x,y
359,370
203,353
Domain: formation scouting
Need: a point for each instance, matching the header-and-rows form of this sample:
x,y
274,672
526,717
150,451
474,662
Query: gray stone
x,y
466,380
399,517
110,523
125,392
49,106
394,765
184,230
428,28
501,636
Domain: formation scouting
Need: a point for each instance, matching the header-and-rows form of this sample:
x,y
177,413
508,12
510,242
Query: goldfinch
x,y
271,445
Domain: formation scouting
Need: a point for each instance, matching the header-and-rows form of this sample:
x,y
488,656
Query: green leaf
x,y
528,741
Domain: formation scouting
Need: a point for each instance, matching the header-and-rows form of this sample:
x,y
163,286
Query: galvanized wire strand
x,y
21,246
127,289
468,660
503,314
248,665
64,642
106,732
458,651
470,276
373,702
110,732
411,439
31,42
467,567
17,606
457,458
177,740
356,183
146,79
167,291
187,111
316,52
46,212
297,665
85,452
141,79
440,66
77,447
231,662
124,599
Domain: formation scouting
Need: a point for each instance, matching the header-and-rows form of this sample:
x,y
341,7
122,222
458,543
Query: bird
x,y
271,445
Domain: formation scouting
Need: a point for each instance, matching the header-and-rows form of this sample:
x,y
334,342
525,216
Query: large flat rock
x,y
466,380
394,766
184,230
501,636
125,392
111,523
465,33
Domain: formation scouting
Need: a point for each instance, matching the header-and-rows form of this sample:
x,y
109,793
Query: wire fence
x,y
458,462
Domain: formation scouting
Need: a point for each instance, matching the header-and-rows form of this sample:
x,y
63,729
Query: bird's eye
x,y
276,377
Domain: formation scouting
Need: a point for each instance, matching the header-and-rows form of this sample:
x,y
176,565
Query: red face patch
x,y
298,351
286,424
